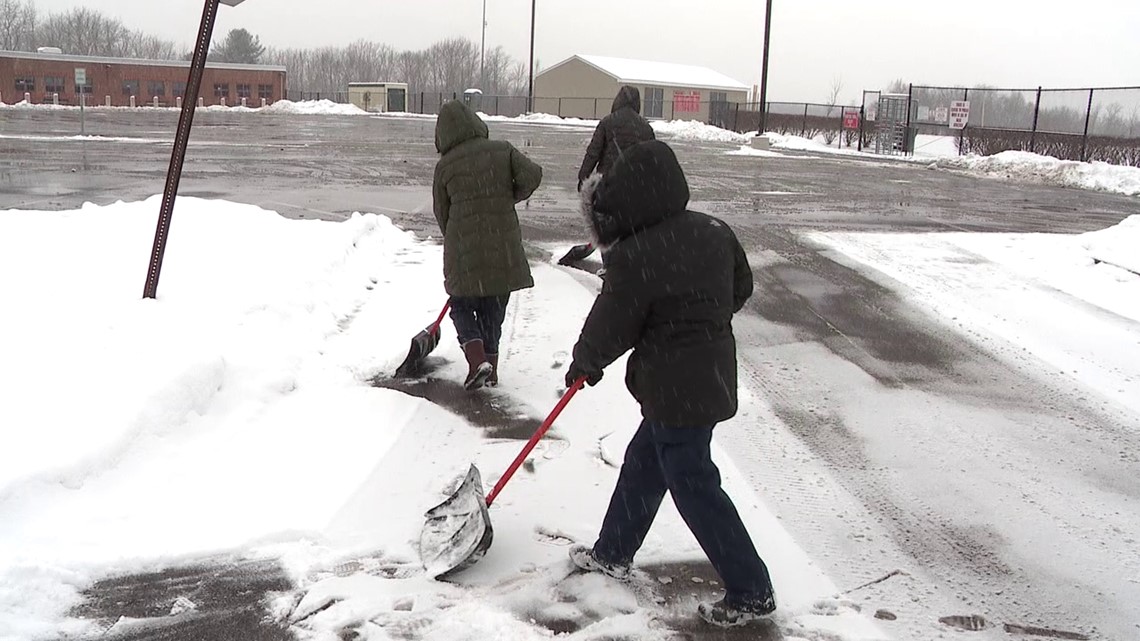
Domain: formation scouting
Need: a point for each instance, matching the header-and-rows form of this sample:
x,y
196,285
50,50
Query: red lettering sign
x,y
686,101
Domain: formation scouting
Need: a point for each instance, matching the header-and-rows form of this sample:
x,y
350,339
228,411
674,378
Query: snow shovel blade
x,y
576,253
458,531
422,345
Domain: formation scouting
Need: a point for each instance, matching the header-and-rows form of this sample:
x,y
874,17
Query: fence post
x,y
862,114
423,101
906,133
962,131
1036,113
559,106
1085,138
596,108
497,106
736,119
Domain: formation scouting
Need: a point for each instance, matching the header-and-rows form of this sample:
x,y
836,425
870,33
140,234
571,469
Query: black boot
x,y
479,370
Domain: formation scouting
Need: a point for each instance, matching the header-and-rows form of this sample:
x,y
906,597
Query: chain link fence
x,y
1085,124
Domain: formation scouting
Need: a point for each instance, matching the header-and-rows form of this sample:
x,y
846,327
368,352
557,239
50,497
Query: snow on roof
x,y
662,73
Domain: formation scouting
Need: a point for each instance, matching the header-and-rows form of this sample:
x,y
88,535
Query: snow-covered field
x,y
234,414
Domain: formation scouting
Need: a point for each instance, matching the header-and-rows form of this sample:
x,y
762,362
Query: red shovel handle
x,y
439,321
536,438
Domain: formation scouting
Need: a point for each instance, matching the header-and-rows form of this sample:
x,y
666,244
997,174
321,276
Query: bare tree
x,y
833,94
17,25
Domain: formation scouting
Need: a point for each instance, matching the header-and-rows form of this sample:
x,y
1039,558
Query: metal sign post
x,y
80,88
181,138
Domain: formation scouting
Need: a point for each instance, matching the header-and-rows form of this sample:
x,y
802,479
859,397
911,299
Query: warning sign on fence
x,y
959,114
850,118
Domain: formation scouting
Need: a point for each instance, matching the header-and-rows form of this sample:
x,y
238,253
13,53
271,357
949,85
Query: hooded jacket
x,y
674,278
476,186
622,128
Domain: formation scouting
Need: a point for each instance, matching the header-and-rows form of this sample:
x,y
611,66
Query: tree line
x,y
447,66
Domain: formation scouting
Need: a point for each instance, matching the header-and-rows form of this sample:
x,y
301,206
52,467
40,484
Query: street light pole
x,y
764,70
483,51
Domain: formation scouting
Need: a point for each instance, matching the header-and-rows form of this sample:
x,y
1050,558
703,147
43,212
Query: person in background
x,y
622,128
476,186
674,279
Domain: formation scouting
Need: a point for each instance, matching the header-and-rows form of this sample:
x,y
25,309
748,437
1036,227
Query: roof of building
x,y
57,57
646,72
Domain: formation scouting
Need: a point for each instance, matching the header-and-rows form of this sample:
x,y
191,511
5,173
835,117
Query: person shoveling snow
x,y
622,128
476,186
674,280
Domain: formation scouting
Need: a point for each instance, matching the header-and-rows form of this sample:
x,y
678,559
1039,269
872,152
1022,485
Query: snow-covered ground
x,y
234,414
1030,291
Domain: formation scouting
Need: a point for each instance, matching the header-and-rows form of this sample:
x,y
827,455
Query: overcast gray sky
x,y
864,43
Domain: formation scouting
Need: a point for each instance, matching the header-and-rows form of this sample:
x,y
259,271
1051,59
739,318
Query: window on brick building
x,y
243,91
130,87
265,91
25,84
179,89
53,84
222,90
157,88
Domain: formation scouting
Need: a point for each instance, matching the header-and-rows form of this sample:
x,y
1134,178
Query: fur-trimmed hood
x,y
644,187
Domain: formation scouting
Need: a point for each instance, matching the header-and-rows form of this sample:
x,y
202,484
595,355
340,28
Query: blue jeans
x,y
677,459
480,318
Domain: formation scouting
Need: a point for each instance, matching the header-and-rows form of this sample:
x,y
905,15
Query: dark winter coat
x,y
674,279
476,186
622,128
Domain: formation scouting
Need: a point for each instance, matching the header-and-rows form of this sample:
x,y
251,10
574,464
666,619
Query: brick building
x,y
114,81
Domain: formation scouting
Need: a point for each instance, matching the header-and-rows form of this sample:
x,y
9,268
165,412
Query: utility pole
x,y
181,140
530,85
483,52
764,70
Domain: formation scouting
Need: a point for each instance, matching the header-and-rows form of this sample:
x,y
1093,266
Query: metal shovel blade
x,y
422,345
458,531
577,253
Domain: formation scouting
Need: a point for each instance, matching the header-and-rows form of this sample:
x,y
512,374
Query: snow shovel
x,y
577,253
422,345
458,531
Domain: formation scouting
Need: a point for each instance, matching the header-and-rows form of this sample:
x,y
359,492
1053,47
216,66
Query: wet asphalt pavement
x,y
329,167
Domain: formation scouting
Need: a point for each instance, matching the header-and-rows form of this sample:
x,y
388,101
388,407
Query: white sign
x,y
941,114
80,77
959,114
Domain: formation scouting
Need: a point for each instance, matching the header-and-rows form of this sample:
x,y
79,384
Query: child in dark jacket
x,y
674,280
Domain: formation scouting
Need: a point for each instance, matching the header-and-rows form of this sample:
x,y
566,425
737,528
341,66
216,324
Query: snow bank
x,y
313,108
1118,245
542,119
1024,166
697,131
307,107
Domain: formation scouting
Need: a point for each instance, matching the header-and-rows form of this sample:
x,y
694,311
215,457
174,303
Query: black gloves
x,y
575,372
